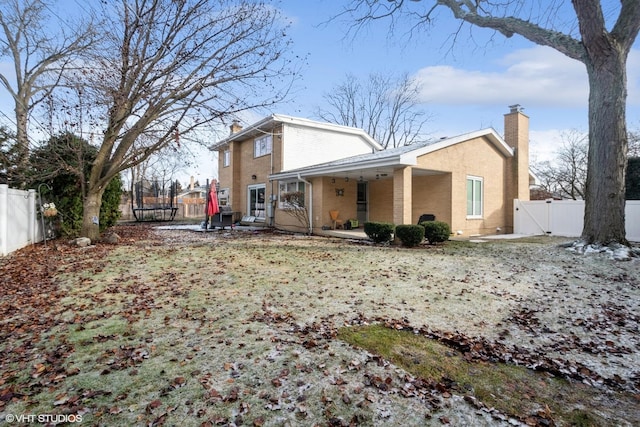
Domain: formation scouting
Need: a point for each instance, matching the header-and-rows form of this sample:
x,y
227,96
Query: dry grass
x,y
239,328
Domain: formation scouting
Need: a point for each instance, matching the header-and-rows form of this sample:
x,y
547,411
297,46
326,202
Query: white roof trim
x,y
271,120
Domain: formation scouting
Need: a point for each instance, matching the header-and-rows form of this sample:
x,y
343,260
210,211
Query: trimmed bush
x,y
436,231
410,235
379,232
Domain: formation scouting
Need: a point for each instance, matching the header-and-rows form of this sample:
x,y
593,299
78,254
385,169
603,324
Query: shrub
x,y
379,232
63,163
409,234
436,231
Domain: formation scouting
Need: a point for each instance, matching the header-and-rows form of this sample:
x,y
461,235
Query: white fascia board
x,y
532,175
411,157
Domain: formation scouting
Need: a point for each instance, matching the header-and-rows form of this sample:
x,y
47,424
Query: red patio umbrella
x,y
212,205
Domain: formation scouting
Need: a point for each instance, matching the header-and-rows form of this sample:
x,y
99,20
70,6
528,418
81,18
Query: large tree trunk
x,y
23,143
91,214
604,220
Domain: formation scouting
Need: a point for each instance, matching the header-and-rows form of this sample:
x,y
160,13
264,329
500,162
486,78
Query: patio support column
x,y
402,196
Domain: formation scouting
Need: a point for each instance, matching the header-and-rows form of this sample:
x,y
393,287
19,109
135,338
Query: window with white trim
x,y
226,158
291,187
474,196
262,146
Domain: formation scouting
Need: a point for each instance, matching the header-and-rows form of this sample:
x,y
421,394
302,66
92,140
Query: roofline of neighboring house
x,y
383,159
269,122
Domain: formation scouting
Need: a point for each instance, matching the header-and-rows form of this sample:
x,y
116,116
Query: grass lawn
x,y
232,328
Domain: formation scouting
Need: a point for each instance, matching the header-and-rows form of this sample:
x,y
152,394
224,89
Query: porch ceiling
x,y
372,174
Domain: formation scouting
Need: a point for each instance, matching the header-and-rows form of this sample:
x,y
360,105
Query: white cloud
x,y
535,76
543,145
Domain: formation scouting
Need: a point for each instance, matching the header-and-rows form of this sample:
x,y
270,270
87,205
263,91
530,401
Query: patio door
x,y
362,201
256,206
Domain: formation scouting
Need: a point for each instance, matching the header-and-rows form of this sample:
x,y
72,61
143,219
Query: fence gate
x,y
565,218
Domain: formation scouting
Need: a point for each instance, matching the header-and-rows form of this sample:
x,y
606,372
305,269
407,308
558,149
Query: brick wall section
x,y
432,195
477,157
239,174
402,196
380,201
345,204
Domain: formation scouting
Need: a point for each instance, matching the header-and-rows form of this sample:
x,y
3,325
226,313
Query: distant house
x,y
193,194
468,181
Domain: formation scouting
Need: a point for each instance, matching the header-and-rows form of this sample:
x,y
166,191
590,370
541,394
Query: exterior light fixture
x,y
254,177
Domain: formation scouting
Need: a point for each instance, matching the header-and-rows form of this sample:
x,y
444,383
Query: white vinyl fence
x,y
565,218
19,225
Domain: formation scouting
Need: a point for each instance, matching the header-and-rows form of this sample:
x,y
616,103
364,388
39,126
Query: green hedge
x,y
436,231
410,235
379,232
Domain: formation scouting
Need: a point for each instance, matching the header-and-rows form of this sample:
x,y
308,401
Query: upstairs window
x,y
226,158
262,146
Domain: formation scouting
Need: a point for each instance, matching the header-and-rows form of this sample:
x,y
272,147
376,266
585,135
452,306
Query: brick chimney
x,y
235,127
516,135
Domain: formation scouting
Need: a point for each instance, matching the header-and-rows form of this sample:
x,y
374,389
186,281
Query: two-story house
x,y
248,157
468,181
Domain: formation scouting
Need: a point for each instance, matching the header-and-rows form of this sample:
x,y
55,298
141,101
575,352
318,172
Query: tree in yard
x,y
7,155
602,43
42,49
566,174
167,69
634,144
386,108
64,162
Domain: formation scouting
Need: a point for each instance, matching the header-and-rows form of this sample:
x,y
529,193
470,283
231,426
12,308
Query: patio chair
x,y
337,223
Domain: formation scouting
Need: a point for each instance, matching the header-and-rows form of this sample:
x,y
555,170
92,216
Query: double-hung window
x,y
291,191
262,146
474,197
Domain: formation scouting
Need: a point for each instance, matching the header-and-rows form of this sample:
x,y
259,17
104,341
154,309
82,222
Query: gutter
x,y
310,202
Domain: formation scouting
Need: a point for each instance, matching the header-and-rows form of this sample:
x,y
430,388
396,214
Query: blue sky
x,y
467,85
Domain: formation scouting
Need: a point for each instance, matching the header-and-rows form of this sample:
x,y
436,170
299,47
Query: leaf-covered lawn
x,y
225,328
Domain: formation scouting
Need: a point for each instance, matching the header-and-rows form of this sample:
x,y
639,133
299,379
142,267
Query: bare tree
x,y
587,39
566,174
296,208
634,144
42,48
386,108
170,69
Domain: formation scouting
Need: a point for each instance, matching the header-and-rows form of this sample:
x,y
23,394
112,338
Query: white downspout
x,y
310,203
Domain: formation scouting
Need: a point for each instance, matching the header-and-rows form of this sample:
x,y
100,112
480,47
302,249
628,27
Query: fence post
x,y
32,224
4,207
